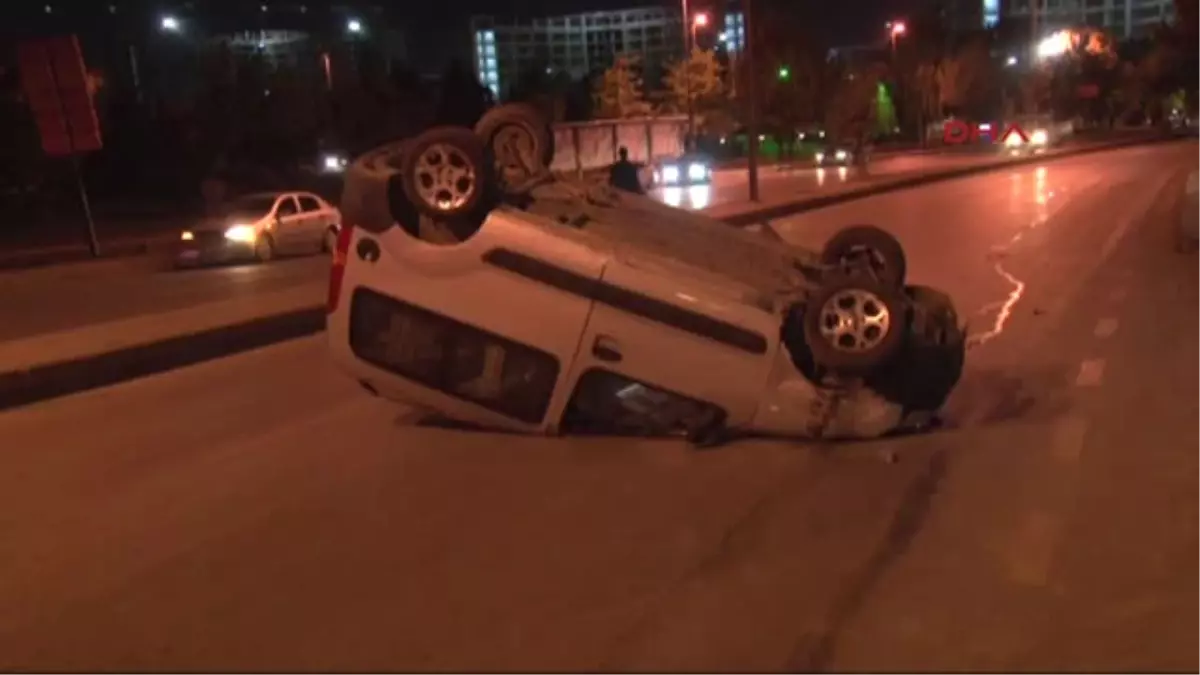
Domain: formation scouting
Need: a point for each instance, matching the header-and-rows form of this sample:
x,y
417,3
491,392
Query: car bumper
x,y
213,254
685,182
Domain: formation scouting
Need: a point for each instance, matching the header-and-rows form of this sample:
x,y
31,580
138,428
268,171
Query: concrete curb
x,y
25,387
1189,214
20,388
773,212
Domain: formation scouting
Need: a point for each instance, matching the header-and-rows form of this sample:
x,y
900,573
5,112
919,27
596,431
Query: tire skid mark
x,y
813,654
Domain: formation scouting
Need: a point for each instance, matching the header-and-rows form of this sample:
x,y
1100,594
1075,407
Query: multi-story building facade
x,y
131,39
1125,19
574,44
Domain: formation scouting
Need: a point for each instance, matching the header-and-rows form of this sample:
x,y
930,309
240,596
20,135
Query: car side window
x,y
309,204
500,374
287,207
605,403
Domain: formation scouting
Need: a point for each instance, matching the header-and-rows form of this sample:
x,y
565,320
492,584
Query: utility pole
x,y
750,26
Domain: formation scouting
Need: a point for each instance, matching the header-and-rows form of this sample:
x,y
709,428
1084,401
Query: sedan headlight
x,y
670,174
187,236
1039,137
243,234
1013,140
820,157
697,171
840,155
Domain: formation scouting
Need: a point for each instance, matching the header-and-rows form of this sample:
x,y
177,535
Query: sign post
x,y
55,82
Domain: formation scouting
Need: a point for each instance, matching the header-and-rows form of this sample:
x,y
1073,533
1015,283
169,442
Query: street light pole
x,y
689,33
748,49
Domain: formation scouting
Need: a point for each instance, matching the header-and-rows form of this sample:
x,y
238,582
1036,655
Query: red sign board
x,y
55,82
957,132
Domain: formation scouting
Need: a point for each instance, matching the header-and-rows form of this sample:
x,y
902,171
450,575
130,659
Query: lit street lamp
x,y
354,26
895,30
169,24
1056,45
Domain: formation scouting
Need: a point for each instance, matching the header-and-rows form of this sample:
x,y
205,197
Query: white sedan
x,y
261,226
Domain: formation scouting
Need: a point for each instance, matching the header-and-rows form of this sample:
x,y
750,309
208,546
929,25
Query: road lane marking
x,y
1105,328
1091,373
1032,552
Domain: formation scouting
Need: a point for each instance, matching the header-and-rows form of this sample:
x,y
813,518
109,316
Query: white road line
x,y
1105,328
1031,553
1091,373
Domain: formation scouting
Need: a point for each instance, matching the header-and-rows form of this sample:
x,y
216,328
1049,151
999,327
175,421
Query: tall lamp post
x,y
700,20
749,49
896,30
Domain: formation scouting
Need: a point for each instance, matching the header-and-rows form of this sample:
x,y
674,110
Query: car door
x,y
670,346
314,221
288,232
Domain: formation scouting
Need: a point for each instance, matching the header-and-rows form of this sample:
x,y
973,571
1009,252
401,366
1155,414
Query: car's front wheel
x,y
264,249
854,324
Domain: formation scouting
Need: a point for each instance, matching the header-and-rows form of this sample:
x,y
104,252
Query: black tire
x,y
521,142
855,324
931,363
446,172
867,244
264,249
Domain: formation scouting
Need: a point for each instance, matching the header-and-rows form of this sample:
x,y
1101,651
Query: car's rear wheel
x,y
264,248
446,171
854,324
520,140
866,247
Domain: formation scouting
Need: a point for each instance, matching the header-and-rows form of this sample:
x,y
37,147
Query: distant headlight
x,y
670,174
840,155
243,234
1013,140
697,171
820,157
187,236
1039,137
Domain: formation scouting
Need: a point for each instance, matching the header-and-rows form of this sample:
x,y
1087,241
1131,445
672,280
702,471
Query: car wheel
x,y
445,172
868,246
264,248
932,359
854,324
520,140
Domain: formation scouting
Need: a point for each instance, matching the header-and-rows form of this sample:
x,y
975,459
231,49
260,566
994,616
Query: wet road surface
x,y
263,513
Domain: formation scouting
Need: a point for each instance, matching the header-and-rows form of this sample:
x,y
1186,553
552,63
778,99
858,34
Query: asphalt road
x,y
796,181
262,513
66,297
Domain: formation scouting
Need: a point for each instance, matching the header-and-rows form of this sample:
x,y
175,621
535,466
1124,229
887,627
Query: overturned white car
x,y
471,283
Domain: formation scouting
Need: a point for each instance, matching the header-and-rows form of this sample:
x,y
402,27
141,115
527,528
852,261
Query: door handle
x,y
605,349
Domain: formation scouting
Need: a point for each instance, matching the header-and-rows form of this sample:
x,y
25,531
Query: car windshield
x,y
251,204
